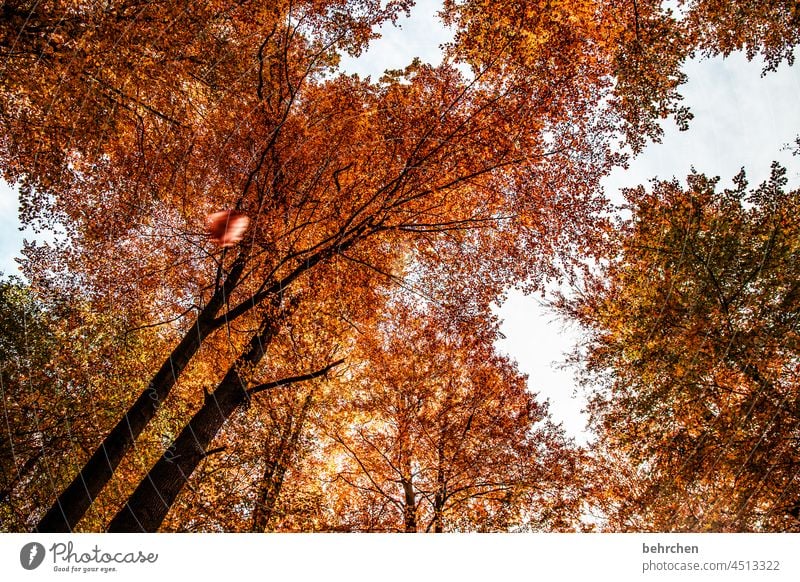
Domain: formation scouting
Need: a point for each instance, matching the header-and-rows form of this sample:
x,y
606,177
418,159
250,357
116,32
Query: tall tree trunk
x,y
440,496
148,505
266,489
74,501
406,476
275,470
409,506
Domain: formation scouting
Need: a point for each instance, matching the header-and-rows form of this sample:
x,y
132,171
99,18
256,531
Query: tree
x,y
694,349
194,110
142,163
30,431
264,473
771,28
56,402
439,433
413,155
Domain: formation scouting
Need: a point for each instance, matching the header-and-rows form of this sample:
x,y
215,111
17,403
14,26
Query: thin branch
x,y
377,488
160,323
293,379
132,99
213,451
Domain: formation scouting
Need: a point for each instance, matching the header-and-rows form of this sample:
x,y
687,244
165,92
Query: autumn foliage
x,y
270,303
693,355
441,434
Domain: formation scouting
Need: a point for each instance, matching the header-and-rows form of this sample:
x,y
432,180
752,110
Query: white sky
x,y
741,119
10,237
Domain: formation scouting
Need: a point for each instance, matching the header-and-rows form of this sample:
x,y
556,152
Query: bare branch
x,y
294,379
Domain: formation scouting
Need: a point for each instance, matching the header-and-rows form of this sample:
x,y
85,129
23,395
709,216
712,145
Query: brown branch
x,y
132,99
376,487
293,379
279,286
260,88
636,22
160,323
213,451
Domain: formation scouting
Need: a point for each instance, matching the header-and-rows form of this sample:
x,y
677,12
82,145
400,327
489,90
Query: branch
x,y
392,278
377,488
132,99
279,286
464,224
213,451
160,323
260,88
293,379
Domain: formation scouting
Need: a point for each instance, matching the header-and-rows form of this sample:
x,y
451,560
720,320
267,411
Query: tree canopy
x,y
693,355
373,223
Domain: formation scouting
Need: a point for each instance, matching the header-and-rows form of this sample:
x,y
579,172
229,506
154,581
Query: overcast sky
x,y
741,119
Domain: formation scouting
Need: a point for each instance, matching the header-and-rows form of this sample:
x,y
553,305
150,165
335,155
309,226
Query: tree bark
x,y
440,496
275,470
266,490
406,475
147,507
149,504
75,500
409,506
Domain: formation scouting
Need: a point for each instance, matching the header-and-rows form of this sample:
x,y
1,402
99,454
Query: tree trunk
x,y
75,500
266,490
147,507
275,470
407,482
409,506
440,496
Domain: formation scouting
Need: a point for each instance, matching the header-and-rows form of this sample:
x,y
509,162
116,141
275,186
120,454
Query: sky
x,y
740,119
10,236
